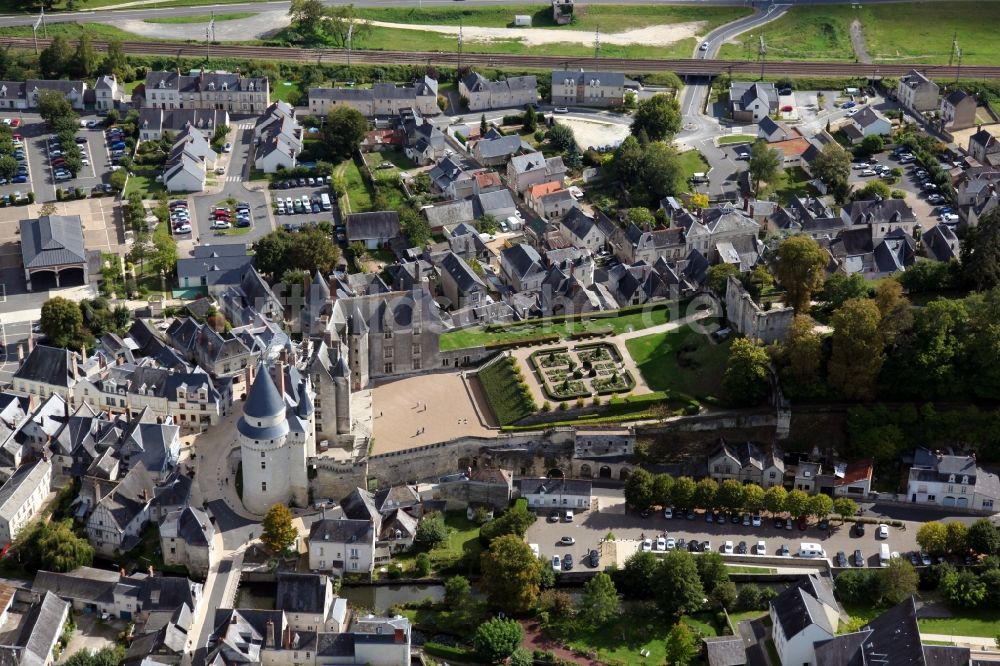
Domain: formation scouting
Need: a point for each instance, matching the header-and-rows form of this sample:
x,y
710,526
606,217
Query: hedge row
x,y
527,340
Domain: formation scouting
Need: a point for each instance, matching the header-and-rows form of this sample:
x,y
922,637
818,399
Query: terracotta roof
x,y
542,189
488,179
795,146
856,471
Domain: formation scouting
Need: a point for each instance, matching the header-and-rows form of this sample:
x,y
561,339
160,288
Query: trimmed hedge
x,y
450,652
527,340
508,395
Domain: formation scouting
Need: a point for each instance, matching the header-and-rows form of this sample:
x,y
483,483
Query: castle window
x,y
263,486
263,464
261,453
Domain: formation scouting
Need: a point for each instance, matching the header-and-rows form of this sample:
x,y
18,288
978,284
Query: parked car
x,y
882,532
841,559
556,563
741,548
761,547
779,523
925,559
567,562
668,512
553,515
859,558
671,544
661,544
221,224
755,520
183,228
783,550
594,558
647,545
859,529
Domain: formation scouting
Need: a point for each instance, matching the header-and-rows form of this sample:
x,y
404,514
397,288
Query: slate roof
x,y
40,628
341,530
956,97
461,273
523,259
264,400
19,487
725,651
378,225
52,240
942,242
360,505
193,526
867,117
490,202
301,593
84,583
554,486
505,145
801,605
47,365
876,211
743,93
579,77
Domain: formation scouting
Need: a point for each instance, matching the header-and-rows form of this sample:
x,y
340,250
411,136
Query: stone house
x,y
917,93
483,95
583,88
187,539
958,110
749,319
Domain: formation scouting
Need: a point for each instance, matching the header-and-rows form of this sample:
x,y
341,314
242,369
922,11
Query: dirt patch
x,y
858,42
594,133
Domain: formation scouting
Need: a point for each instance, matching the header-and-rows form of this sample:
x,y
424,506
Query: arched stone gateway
x,y
555,473
605,472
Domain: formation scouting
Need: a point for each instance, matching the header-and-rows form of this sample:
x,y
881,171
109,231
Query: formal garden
x,y
581,371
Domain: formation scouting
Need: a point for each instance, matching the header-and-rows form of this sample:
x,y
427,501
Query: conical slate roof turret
x,y
263,400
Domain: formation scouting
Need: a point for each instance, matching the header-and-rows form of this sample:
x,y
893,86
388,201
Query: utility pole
x,y
34,33
210,35
45,28
958,72
460,47
597,46
761,52
350,39
954,47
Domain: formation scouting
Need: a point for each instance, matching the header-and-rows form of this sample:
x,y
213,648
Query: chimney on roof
x,y
121,572
150,568
72,365
399,635
279,377
269,642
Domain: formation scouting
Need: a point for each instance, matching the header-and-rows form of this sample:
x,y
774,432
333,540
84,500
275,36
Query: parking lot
x,y
916,196
589,528
41,179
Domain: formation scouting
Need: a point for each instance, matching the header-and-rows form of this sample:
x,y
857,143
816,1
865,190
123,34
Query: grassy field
x,y
72,31
683,362
200,18
692,162
733,139
463,540
503,389
143,181
358,197
609,18
740,569
621,640
280,90
979,622
473,337
920,31
792,182
738,617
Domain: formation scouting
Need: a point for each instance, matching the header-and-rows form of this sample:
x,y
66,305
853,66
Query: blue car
x,y
20,179
118,145
848,105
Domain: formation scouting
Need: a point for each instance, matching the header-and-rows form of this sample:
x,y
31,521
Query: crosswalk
x,y
234,179
245,125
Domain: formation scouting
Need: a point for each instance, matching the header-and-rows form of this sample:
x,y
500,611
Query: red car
x,y
786,109
15,122
17,137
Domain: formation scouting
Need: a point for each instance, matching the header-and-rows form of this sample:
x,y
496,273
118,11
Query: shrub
x,y
898,194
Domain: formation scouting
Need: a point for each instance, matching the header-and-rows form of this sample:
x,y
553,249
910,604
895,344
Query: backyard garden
x,y
582,371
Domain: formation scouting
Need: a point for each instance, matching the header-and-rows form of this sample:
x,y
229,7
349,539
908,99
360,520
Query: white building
x,y
801,615
572,494
342,545
277,437
483,94
278,138
951,481
22,496
231,92
916,92
187,539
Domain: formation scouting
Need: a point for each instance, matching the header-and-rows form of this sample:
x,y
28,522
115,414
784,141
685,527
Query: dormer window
x,y
965,480
951,478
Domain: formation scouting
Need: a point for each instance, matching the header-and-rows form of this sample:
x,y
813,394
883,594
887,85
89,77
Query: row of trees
x,y
885,586
954,538
307,249
646,165
73,324
60,59
643,490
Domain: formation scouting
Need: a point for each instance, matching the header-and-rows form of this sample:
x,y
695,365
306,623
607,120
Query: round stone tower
x,y
263,434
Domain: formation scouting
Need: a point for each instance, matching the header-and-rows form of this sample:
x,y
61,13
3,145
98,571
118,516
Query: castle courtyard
x,y
426,409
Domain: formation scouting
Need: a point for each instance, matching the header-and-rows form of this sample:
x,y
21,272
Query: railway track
x,y
684,67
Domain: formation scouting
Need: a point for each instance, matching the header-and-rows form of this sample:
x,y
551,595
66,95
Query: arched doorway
x,y
623,474
585,471
605,472
556,473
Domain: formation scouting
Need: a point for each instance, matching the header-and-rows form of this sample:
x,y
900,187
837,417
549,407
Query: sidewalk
x,y
979,642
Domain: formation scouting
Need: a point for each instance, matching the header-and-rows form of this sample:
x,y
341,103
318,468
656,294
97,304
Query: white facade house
x,y
277,436
572,494
916,92
22,496
342,546
951,481
802,615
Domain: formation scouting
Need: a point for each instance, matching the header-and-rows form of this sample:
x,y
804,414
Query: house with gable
x,y
483,94
985,148
634,244
459,283
803,614
752,101
187,539
523,171
948,480
522,267
747,462
958,110
582,231
917,93
495,150
587,88
867,122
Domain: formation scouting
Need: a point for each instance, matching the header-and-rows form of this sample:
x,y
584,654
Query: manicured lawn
x,y
463,540
473,337
504,391
622,639
358,198
692,162
792,182
733,139
397,157
738,617
804,33
201,18
979,622
143,181
280,90
739,569
72,31
683,362
440,618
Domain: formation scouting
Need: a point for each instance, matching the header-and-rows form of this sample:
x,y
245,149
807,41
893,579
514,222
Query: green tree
x,y
718,277
871,144
731,495
856,586
600,600
663,485
307,18
52,547
724,595
754,498
278,531
981,252
415,226
54,59
530,120
521,657
765,164
84,62
749,597
797,502
496,639
871,190
800,269
640,217
117,63
677,587
704,493
516,520
746,379
271,253
897,581
711,571
991,579
933,537
683,491
962,589
658,116
833,167
800,355
483,127
164,257
422,565
342,133
857,356
983,538
774,500
957,537
513,583
820,505
457,591
8,166
53,106
637,577
561,137
431,531
312,248
61,321
681,645
117,180
845,507
840,287
639,489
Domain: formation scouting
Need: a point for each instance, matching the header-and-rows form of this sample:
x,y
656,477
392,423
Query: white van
x,y
810,550
534,548
699,177
883,555
325,201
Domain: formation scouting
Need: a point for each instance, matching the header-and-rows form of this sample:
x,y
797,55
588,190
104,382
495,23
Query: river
x,y
377,598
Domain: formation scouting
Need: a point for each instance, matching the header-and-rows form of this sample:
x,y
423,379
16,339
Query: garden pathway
x,y
522,354
979,642
534,640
